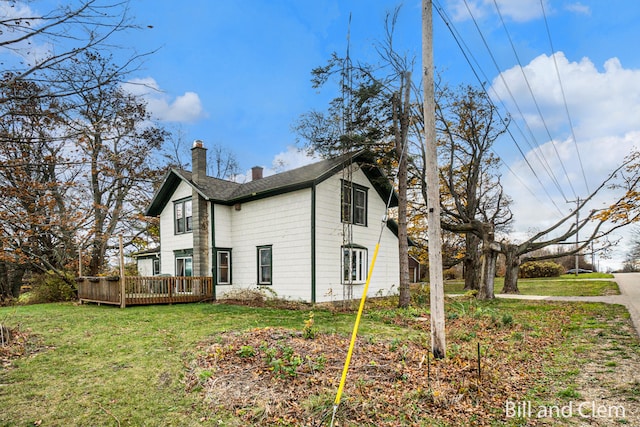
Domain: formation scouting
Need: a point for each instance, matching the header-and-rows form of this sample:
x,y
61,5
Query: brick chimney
x,y
200,212
256,173
198,161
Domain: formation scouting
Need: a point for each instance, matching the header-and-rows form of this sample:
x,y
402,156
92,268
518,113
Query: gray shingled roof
x,y
227,192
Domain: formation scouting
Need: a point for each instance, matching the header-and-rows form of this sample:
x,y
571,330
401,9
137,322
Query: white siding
x,y
283,221
222,227
329,240
145,266
169,241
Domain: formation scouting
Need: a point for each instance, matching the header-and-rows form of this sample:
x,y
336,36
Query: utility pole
x,y
434,234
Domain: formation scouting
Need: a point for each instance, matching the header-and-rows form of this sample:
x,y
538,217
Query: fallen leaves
x,y
275,376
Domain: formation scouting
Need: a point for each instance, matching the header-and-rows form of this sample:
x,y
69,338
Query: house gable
x,y
229,193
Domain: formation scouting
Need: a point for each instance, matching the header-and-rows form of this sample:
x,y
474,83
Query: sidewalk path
x,y
629,284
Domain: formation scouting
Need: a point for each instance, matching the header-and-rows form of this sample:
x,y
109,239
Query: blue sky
x,y
237,74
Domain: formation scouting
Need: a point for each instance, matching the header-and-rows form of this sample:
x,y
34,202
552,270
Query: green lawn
x,y
104,366
104,360
591,284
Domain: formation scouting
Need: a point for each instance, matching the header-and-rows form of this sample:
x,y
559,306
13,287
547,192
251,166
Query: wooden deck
x,y
144,290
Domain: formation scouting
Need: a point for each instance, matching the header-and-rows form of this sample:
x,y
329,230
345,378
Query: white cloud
x,y
514,10
604,105
292,158
600,103
578,8
186,108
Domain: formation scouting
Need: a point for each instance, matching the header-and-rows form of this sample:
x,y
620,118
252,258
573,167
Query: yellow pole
x,y
355,332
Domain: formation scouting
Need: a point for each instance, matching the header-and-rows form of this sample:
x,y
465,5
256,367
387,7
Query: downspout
x,y
214,255
313,243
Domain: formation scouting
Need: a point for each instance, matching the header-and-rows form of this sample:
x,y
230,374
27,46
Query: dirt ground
x,y
276,376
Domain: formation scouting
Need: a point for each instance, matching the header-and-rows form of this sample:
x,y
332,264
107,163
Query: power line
x,y
564,98
533,96
466,52
537,153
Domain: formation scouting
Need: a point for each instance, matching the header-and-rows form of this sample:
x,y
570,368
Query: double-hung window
x,y
223,267
183,216
265,267
354,203
354,265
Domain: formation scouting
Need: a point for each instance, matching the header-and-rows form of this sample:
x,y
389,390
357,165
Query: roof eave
x,y
166,189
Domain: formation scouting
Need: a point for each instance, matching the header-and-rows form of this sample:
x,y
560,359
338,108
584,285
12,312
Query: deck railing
x,y
144,290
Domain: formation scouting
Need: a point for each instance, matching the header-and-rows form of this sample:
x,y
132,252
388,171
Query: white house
x,y
308,234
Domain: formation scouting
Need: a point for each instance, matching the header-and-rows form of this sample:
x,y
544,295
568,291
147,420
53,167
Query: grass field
x,y
590,284
100,365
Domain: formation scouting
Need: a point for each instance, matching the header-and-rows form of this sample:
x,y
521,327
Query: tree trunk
x,y
403,238
15,279
490,250
5,289
403,242
512,265
489,258
472,267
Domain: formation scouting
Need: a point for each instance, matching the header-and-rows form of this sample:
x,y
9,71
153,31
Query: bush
x,y
450,274
540,269
50,287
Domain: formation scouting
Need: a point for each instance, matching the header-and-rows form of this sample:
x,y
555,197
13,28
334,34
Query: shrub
x,y
450,274
50,287
540,269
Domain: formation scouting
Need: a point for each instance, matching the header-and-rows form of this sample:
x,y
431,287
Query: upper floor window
x,y
354,203
183,216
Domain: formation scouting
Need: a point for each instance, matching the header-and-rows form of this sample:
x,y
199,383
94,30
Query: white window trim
x,y
360,256
261,281
218,253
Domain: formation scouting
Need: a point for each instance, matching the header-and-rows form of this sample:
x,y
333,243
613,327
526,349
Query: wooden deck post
x,y
123,302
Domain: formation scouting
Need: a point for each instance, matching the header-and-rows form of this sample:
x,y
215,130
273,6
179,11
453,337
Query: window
x,y
156,266
264,265
354,203
354,265
223,267
183,214
184,266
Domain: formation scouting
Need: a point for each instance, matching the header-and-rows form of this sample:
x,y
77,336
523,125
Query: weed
x,y
205,375
246,351
393,346
507,319
569,393
309,331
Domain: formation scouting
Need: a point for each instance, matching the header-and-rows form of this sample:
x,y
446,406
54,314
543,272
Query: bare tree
x,y
114,132
594,225
473,202
37,221
35,43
